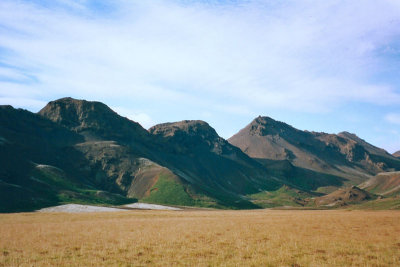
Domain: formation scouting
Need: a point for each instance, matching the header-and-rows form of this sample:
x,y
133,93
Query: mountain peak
x,y
397,154
349,135
263,125
187,135
91,117
75,102
72,113
187,127
263,120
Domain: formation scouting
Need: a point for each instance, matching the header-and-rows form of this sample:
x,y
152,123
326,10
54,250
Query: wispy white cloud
x,y
393,118
144,119
27,103
308,55
211,57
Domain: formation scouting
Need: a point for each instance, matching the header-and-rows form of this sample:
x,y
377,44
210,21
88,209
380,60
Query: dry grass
x,y
202,238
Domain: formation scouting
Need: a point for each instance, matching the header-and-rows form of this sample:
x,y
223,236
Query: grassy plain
x,y
202,238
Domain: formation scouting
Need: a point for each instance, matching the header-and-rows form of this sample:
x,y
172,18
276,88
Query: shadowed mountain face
x,y
27,139
343,155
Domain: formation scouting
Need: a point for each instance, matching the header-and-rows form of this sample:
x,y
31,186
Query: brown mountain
x,y
396,154
343,155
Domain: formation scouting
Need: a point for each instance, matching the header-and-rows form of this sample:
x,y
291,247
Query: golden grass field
x,y
202,238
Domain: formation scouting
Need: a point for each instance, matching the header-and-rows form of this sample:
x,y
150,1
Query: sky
x,y
326,66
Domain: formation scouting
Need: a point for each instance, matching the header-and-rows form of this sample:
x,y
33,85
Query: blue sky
x,y
325,66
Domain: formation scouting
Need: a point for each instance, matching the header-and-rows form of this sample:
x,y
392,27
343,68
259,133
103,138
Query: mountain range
x,y
78,151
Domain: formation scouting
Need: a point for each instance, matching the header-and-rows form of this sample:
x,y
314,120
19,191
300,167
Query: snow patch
x,y
76,208
146,206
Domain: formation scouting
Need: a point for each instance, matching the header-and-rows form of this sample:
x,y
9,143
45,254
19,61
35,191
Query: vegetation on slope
x,y
68,192
168,191
284,196
390,203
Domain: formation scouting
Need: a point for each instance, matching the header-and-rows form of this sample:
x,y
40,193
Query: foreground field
x,y
202,238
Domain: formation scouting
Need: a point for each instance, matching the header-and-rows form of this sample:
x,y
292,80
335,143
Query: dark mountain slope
x,y
28,141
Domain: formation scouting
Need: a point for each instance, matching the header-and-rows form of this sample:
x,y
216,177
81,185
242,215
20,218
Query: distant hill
x,y
342,156
396,154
